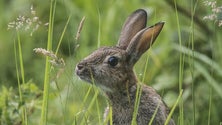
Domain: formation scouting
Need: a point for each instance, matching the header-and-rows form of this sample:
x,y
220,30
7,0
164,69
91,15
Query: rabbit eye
x,y
113,61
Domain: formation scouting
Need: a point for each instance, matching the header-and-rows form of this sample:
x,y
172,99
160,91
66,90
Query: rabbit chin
x,y
101,86
88,80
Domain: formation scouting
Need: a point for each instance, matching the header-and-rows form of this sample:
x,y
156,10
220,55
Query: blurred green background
x,y
191,38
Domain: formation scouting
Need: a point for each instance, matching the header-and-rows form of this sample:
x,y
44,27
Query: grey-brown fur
x,y
111,69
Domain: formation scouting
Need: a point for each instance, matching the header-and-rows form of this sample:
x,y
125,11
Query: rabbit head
x,y
111,68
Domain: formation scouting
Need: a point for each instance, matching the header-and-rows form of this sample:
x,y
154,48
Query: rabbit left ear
x,y
133,24
142,42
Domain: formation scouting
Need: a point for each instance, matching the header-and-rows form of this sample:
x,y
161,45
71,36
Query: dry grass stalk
x,y
55,61
80,28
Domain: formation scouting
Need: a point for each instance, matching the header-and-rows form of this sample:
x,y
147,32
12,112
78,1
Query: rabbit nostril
x,y
80,66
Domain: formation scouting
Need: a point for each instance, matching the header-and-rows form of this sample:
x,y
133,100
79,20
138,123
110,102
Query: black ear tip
x,y
142,11
160,23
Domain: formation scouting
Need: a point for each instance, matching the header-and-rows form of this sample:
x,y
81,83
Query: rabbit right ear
x,y
133,24
142,41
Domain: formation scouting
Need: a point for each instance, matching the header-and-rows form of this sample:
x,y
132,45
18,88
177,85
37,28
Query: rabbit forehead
x,y
100,54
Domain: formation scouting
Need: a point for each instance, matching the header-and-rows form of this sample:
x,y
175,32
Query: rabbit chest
x,y
123,107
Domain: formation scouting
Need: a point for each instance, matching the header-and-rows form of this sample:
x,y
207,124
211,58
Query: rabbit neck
x,y
125,95
123,104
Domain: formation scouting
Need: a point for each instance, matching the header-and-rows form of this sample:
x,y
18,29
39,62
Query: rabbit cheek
x,y
101,76
107,78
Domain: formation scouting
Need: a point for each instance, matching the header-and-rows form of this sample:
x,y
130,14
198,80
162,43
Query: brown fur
x,y
119,82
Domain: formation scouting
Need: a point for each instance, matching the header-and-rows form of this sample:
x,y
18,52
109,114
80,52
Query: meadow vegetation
x,y
39,51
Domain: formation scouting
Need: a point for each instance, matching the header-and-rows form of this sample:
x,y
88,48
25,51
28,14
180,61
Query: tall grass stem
x,y
99,30
181,117
43,120
62,35
24,116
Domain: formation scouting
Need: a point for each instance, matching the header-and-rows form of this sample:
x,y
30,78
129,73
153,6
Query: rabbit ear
x,y
133,24
142,42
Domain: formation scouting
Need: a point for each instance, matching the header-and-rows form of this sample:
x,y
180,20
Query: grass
x,y
24,114
192,10
181,116
137,102
44,115
83,102
210,106
62,35
173,108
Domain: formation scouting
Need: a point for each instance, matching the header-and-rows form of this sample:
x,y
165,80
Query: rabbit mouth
x,y
85,79
83,74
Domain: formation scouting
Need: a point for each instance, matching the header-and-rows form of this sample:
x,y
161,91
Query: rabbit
x,y
111,69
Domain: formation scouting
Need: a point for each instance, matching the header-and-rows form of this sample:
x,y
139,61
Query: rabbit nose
x,y
80,66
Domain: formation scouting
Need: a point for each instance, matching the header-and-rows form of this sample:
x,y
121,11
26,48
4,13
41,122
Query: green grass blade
x,y
83,103
62,35
24,116
174,107
86,96
98,111
20,57
203,58
43,120
210,104
180,66
154,114
99,31
45,94
145,69
137,102
17,73
111,115
191,58
214,84
93,101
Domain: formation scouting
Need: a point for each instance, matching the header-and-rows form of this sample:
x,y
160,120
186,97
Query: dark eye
x,y
113,61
